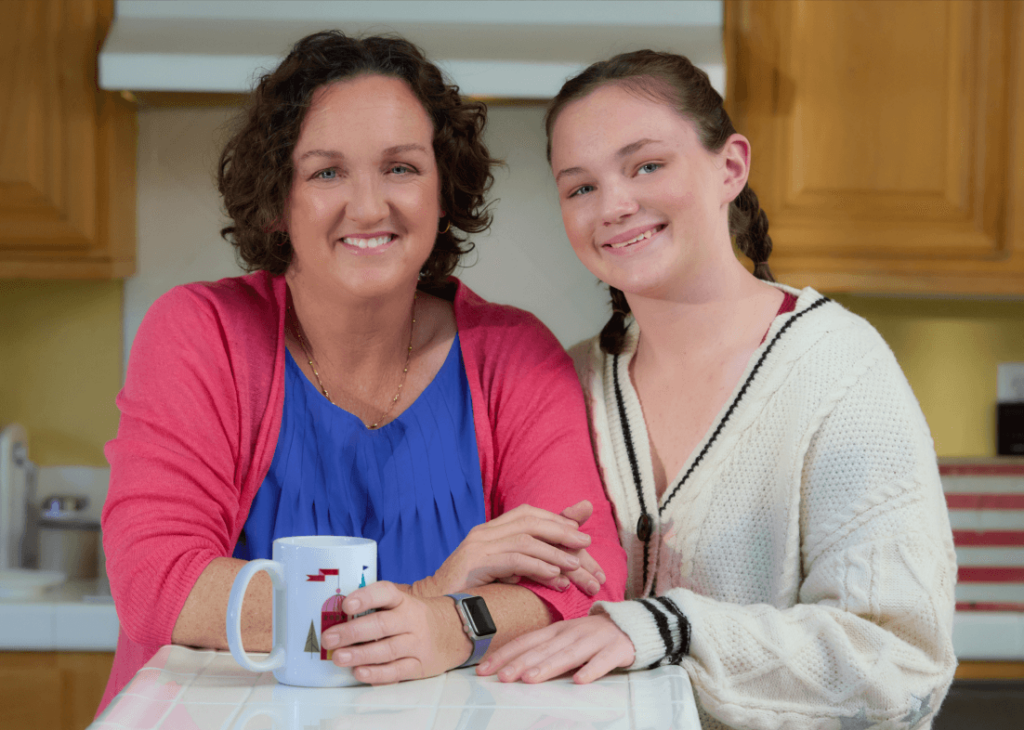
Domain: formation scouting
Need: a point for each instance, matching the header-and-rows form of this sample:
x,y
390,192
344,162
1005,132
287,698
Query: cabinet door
x,y
67,150
886,140
51,690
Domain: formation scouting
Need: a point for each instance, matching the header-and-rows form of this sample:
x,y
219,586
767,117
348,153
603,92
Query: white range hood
x,y
518,49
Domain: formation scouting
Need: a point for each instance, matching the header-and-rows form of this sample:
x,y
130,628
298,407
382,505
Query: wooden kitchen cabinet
x,y
67,149
52,690
887,138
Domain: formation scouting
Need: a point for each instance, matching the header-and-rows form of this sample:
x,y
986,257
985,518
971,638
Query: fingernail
x,y
506,674
330,641
353,605
343,656
484,665
531,674
593,588
601,577
573,561
562,583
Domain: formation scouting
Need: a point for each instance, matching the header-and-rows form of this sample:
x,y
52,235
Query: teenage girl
x,y
774,481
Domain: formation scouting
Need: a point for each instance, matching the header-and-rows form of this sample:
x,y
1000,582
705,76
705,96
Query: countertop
x,y
76,616
71,618
188,689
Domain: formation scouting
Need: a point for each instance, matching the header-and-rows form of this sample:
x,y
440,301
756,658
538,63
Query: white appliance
x,y
17,488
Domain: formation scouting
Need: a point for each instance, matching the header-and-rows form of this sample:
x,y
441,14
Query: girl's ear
x,y
735,156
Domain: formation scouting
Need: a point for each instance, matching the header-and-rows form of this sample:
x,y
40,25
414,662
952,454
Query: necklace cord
x,y
306,349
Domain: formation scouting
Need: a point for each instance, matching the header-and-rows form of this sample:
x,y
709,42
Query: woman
x,y
349,386
774,481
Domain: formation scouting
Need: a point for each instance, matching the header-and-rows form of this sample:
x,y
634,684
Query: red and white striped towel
x,y
986,510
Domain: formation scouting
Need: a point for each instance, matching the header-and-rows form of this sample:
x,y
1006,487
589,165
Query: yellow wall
x,y
60,366
949,350
60,363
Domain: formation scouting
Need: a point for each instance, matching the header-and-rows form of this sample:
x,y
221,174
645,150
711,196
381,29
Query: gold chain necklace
x,y
405,370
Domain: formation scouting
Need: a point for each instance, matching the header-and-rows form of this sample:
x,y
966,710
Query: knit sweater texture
x,y
800,567
200,414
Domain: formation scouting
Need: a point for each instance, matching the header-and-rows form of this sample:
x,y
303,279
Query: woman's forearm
x,y
202,619
515,610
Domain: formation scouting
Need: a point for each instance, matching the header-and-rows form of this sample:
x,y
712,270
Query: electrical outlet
x,y
1010,382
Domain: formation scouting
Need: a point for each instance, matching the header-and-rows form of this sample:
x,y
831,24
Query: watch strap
x,y
480,643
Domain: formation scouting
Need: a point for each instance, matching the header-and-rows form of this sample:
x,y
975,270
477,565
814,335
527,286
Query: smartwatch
x,y
476,622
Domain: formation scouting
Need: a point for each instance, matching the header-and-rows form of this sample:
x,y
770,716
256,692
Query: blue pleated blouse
x,y
413,485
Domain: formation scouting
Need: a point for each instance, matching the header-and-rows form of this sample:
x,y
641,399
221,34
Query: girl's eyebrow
x,y
624,151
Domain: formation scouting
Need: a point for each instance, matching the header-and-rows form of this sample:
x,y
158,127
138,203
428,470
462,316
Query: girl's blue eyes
x,y
645,169
328,174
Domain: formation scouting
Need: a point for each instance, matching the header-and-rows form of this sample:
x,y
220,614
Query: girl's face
x,y
364,206
645,206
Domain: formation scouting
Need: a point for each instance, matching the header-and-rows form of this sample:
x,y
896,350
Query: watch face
x,y
479,617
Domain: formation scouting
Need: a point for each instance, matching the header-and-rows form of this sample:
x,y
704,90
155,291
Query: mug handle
x,y
234,617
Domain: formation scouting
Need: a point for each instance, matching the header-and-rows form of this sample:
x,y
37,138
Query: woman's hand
x,y
526,542
592,643
405,638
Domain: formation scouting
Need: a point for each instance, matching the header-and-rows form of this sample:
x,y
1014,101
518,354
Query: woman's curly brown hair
x,y
255,171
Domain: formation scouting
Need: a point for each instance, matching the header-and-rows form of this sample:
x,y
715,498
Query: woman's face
x,y
363,209
645,206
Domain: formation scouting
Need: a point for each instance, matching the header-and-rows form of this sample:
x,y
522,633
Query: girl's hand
x,y
526,542
594,644
405,638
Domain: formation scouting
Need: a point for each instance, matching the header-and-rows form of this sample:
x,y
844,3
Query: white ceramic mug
x,y
311,577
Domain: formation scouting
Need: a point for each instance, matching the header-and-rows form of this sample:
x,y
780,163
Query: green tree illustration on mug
x,y
312,646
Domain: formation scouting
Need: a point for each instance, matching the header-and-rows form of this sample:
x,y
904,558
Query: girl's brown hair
x,y
255,171
672,80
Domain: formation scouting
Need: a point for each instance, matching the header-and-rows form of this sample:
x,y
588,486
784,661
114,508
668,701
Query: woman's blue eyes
x,y
331,173
649,167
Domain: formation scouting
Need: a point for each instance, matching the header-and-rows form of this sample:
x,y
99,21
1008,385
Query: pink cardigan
x,y
200,414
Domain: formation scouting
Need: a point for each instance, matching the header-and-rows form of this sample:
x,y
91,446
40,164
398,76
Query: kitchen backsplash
x,y
75,481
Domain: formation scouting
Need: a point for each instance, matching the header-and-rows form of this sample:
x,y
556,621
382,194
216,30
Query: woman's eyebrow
x,y
624,151
399,149
333,154
390,151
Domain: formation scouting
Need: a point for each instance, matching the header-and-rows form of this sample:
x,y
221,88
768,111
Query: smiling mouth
x,y
642,237
375,242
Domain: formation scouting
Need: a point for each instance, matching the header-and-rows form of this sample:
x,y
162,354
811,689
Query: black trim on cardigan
x,y
662,622
684,628
732,406
631,452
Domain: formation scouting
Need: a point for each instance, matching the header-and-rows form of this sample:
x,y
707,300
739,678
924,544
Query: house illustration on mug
x,y
330,612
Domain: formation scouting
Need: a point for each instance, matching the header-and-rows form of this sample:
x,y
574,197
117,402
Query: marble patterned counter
x,y
187,689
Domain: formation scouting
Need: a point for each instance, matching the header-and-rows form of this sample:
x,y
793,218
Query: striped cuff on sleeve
x,y
658,629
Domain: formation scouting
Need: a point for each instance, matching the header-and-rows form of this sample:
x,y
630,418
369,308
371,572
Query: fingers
x,y
603,662
384,651
551,531
564,652
579,512
590,565
592,643
498,659
397,671
380,595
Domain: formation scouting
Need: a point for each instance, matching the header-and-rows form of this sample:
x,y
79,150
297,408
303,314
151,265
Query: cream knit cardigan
x,y
803,558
